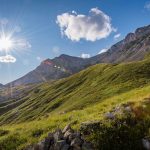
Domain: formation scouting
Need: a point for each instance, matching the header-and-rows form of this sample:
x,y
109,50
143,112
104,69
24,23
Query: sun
x,y
6,43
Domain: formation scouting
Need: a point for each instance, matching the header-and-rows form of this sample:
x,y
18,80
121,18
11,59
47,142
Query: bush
x,y
120,134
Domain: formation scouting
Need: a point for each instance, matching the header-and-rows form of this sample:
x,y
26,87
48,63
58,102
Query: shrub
x,y
124,134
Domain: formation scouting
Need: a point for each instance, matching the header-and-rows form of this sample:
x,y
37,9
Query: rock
x,y
129,38
48,142
87,127
87,146
128,109
109,115
73,136
70,140
66,147
68,133
30,147
59,144
58,135
77,143
146,143
68,127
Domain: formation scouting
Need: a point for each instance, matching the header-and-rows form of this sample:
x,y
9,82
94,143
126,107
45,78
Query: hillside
x,y
19,136
134,47
87,87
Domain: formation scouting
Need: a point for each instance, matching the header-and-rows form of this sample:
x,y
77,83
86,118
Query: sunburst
x,y
6,43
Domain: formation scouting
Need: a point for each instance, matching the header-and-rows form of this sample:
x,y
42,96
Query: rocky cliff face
x,y
133,48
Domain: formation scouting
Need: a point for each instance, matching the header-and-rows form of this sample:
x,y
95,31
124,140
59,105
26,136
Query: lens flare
x,y
6,43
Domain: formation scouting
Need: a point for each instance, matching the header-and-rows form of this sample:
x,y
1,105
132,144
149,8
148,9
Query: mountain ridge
x,y
135,46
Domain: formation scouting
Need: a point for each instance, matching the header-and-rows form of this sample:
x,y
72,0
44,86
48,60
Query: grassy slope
x,y
88,87
21,135
84,96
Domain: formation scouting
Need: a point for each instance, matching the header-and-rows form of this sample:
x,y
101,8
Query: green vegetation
x,y
84,96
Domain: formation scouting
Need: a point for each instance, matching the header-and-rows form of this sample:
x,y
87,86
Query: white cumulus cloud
x,y
103,50
117,36
83,55
7,59
92,27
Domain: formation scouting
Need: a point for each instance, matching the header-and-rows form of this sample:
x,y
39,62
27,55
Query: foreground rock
x,y
66,139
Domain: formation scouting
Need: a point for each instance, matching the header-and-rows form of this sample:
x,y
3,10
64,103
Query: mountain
x,y
51,69
134,47
86,88
1,85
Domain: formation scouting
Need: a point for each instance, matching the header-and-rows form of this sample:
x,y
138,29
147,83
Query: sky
x,y
34,30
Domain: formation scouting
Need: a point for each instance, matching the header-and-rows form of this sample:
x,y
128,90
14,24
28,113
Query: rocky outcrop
x,y
66,139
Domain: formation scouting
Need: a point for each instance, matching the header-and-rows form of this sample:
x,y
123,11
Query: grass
x,y
27,133
88,87
84,96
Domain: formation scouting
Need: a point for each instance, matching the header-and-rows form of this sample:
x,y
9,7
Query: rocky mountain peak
x,y
47,62
130,37
142,31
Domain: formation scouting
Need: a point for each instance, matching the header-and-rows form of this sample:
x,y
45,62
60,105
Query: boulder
x,y
74,135
87,146
58,135
59,144
109,115
68,127
146,143
68,133
77,143
87,127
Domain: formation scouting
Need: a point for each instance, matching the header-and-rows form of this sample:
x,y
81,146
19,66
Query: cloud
x,y
117,36
56,49
83,55
103,51
147,5
7,59
39,58
92,27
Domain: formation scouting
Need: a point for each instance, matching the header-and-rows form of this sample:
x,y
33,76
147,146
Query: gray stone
x,y
87,146
87,127
128,109
65,147
58,135
109,115
74,135
76,143
68,133
59,144
146,143
68,127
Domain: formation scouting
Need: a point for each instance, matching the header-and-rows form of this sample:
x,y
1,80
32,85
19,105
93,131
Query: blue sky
x,y
34,22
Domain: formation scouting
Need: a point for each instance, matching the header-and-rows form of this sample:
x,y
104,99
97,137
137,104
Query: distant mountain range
x,y
134,47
